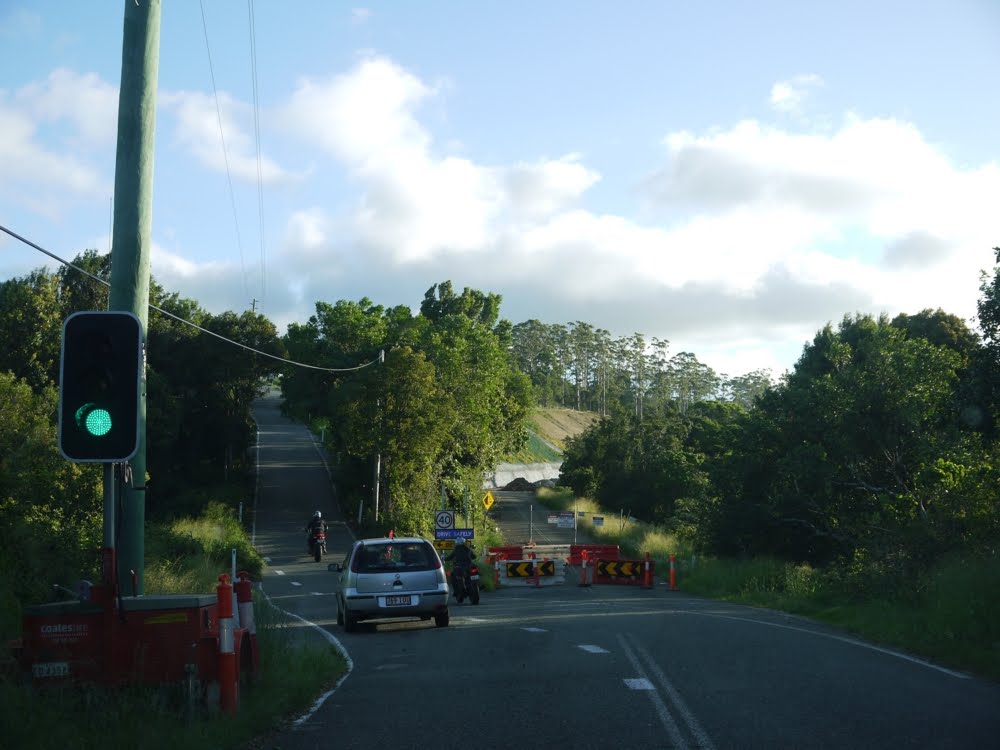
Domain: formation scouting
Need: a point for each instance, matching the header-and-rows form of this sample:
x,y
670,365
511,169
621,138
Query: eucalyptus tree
x,y
747,388
581,336
535,351
691,380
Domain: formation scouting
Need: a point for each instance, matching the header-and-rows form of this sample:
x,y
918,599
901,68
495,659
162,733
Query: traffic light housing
x,y
100,380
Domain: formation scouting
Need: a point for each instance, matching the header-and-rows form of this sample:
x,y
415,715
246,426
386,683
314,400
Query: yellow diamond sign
x,y
488,500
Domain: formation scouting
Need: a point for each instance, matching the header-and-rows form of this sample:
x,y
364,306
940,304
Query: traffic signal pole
x,y
130,250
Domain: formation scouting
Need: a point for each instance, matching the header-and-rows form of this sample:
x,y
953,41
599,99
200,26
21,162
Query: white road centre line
x,y
593,649
638,683
535,630
295,583
279,572
700,735
676,738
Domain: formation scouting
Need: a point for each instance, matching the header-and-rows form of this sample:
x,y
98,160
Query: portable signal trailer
x,y
103,637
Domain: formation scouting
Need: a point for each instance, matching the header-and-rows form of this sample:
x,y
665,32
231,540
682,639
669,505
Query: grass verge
x,y
951,616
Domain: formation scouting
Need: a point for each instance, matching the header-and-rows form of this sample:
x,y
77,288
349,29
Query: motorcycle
x,y
317,544
465,582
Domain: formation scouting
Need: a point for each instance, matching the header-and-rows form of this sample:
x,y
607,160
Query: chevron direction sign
x,y
626,568
546,567
522,569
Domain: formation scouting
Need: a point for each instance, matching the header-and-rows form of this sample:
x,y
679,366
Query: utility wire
x,y
179,319
256,128
225,151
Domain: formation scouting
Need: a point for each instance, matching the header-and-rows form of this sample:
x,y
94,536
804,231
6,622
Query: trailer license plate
x,y
397,601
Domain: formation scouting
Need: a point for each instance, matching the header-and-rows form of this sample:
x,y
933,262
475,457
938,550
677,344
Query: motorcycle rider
x,y
462,555
316,523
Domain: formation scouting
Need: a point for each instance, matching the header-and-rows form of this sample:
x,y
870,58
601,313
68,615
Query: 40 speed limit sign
x,y
444,519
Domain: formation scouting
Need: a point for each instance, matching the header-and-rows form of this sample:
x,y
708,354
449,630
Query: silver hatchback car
x,y
389,578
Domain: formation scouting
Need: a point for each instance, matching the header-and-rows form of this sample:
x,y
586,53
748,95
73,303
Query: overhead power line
x,y
256,130
179,319
225,152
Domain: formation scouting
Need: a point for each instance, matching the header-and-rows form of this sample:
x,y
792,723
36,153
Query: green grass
x,y
534,451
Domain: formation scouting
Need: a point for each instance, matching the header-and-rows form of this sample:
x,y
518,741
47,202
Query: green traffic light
x,y
94,420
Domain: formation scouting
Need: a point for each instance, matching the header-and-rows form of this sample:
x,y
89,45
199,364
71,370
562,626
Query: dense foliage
x,y
199,391
878,451
445,405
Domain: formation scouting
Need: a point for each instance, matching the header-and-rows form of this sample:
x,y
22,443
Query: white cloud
x,y
759,234
360,15
788,96
230,149
772,232
46,174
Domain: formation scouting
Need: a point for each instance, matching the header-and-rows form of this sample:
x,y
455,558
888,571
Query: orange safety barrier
x,y
594,551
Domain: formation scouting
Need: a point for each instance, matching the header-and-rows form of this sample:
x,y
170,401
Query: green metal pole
x,y
132,239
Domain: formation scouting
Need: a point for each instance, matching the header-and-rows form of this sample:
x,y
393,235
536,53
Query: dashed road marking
x,y
639,683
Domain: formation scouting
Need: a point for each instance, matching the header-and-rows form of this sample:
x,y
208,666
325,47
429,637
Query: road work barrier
x,y
229,686
244,605
530,571
594,551
623,572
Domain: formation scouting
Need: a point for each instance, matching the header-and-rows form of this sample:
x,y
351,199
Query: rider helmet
x,y
460,542
317,514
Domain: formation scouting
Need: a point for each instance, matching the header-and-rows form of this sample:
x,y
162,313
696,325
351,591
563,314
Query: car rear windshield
x,y
398,556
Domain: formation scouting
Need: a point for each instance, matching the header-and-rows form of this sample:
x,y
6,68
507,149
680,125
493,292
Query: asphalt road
x,y
591,667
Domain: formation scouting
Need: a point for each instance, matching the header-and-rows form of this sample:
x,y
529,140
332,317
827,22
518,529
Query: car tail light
x,y
356,560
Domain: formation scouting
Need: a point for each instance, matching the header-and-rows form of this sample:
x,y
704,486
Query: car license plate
x,y
397,601
50,669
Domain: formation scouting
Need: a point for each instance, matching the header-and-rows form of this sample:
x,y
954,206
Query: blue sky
x,y
726,176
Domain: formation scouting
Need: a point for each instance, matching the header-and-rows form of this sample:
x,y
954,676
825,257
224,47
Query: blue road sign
x,y
454,533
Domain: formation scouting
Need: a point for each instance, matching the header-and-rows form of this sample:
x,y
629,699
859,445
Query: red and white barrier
x,y
244,599
229,687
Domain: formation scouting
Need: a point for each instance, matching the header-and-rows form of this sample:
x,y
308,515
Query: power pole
x,y
130,248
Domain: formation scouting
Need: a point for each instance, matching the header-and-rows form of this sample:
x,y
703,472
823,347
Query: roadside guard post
x,y
673,576
229,696
583,569
244,599
647,574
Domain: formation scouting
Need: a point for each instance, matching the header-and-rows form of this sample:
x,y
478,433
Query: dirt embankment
x,y
556,425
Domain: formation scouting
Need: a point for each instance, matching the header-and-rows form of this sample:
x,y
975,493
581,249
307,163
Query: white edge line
x,y
323,631
844,639
332,639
